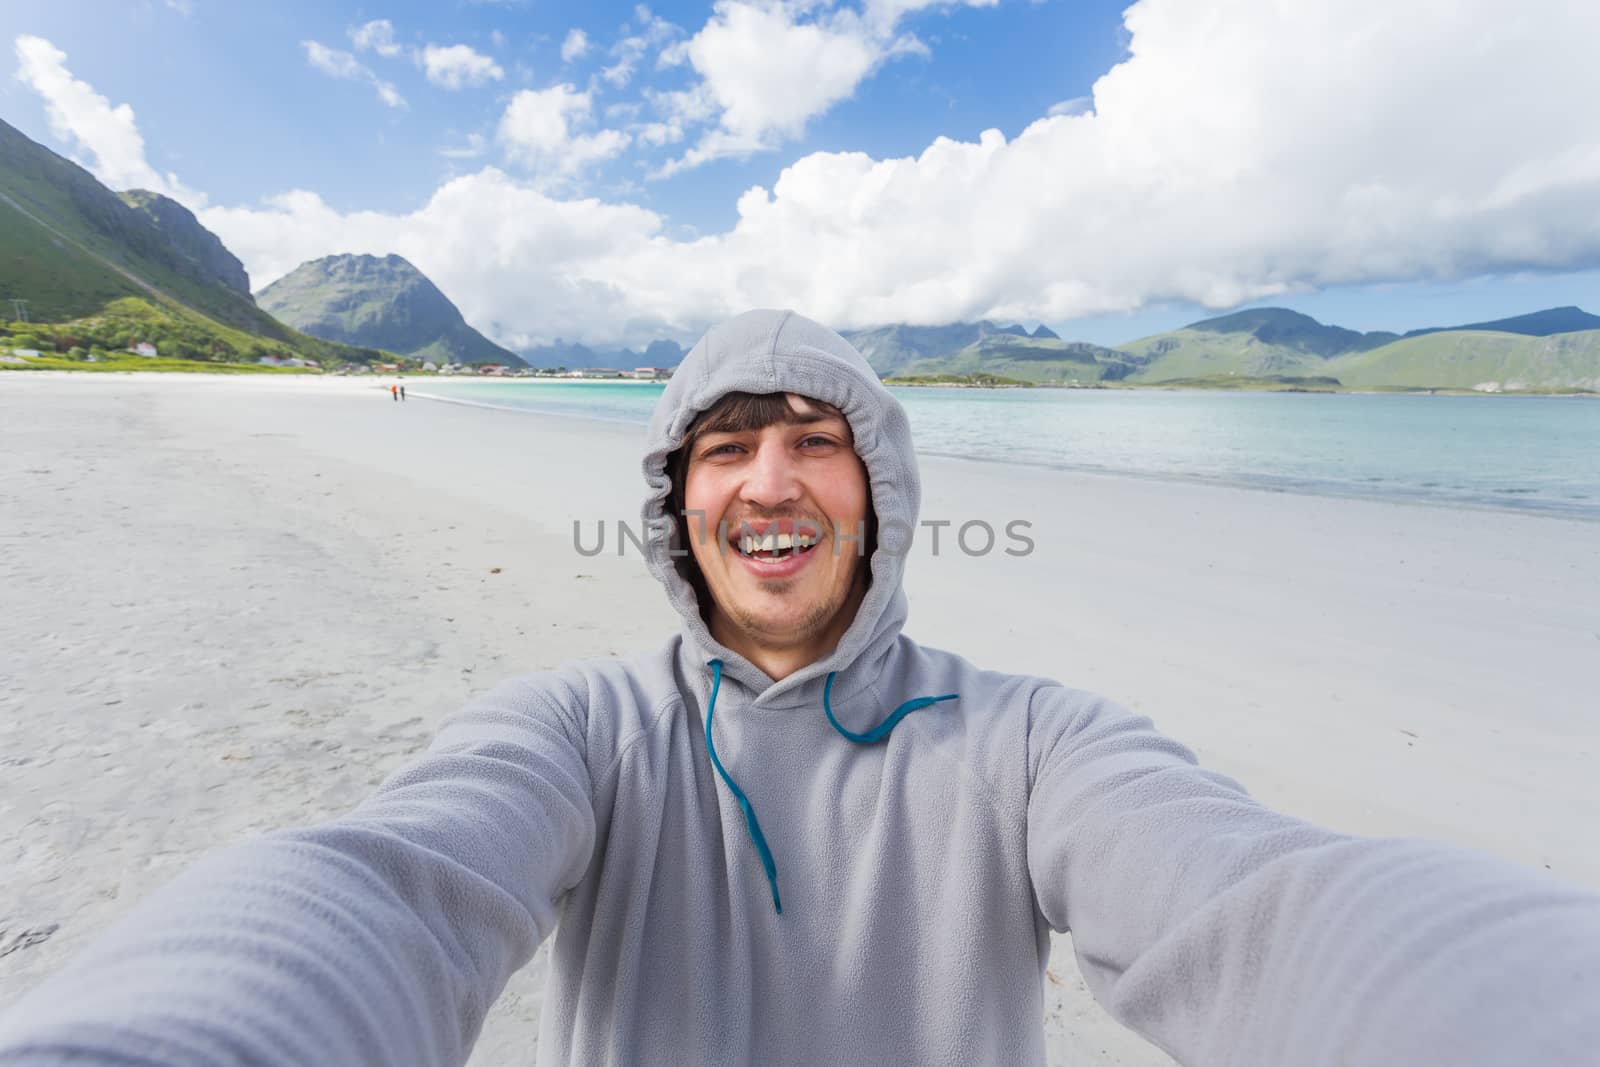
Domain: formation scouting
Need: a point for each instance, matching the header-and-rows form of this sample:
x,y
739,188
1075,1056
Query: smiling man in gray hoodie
x,y
792,835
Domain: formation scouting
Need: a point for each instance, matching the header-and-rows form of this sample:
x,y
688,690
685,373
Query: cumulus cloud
x,y
772,66
574,47
458,66
376,36
83,118
540,130
332,62
336,63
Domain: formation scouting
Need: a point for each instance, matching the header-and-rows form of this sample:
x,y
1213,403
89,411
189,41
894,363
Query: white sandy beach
x,y
232,604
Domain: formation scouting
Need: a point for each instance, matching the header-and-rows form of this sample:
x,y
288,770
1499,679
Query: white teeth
x,y
774,542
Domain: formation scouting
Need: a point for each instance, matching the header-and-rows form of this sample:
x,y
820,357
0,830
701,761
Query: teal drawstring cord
x,y
877,733
880,731
750,821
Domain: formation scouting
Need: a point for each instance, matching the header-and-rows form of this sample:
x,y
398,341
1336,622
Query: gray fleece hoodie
x,y
920,875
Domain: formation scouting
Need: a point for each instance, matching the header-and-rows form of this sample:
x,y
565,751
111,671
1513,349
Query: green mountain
x,y
1552,349
1538,324
205,253
1476,359
382,302
572,356
893,350
1255,343
1027,358
75,256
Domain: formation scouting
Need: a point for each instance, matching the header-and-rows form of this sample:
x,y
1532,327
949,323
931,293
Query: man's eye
x,y
817,440
721,450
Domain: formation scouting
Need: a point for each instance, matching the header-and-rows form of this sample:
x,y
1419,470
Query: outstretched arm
x,y
379,938
1227,933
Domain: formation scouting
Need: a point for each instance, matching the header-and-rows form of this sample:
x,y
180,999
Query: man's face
x,y
764,494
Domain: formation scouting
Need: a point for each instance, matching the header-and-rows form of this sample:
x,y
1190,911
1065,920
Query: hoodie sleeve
x,y
1227,933
381,937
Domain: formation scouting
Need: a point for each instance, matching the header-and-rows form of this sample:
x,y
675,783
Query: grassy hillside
x,y
1040,360
1473,359
177,333
57,279
1196,354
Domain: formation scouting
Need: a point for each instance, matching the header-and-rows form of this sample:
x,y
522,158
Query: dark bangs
x,y
743,412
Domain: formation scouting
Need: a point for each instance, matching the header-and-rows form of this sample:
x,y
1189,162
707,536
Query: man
x,y
792,835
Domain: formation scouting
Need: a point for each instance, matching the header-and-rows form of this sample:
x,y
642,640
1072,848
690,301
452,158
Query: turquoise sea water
x,y
1524,453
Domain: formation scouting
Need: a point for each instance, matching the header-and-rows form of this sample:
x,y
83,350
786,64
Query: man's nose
x,y
771,477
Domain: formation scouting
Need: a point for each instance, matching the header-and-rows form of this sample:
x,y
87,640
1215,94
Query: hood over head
x,y
781,352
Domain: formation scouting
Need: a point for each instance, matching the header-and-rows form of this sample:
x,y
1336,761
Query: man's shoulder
x,y
644,675
600,703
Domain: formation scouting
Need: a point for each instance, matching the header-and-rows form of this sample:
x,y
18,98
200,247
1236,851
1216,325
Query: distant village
x,y
466,370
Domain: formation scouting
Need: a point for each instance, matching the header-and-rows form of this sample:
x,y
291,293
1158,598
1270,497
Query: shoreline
x,y
1420,390
1582,513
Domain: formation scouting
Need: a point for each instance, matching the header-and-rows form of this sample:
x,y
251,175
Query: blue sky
x,y
621,139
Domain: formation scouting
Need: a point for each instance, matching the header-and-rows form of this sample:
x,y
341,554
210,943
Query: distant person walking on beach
x,y
928,824
402,392
394,393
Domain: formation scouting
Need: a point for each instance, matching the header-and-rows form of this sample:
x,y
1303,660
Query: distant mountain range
x,y
380,302
1554,349
574,356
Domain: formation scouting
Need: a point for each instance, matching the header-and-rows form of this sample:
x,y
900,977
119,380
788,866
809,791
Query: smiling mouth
x,y
774,546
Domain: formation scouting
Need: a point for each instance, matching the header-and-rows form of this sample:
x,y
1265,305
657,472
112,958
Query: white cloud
x,y
388,93
339,64
772,67
333,62
85,119
539,131
376,36
677,111
458,66
574,47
